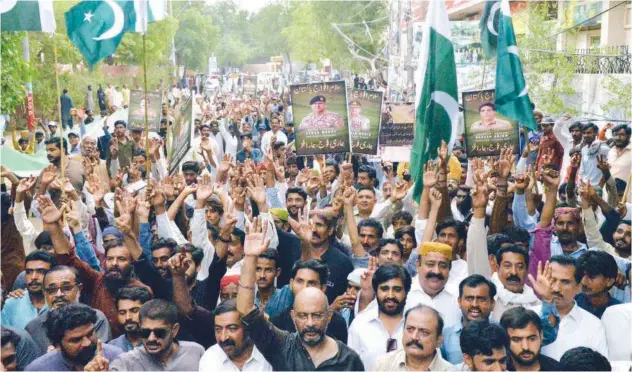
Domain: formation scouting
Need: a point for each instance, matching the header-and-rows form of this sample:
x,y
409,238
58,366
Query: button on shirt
x,y
368,337
444,302
396,361
18,312
578,328
215,359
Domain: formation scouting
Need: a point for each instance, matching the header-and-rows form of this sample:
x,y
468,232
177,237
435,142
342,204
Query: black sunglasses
x,y
391,345
159,332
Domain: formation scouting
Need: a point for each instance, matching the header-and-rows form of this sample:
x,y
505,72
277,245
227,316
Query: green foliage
x,y
620,97
232,51
14,71
266,29
195,40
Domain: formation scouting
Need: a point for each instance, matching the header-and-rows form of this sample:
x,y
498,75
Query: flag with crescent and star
x,y
26,15
489,28
436,99
512,99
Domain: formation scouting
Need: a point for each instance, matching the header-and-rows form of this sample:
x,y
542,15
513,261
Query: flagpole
x,y
61,124
484,71
148,166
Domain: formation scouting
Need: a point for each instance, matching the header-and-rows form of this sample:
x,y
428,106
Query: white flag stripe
x,y
140,7
158,9
47,16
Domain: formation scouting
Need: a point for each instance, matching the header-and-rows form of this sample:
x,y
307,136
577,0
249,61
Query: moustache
x,y
513,278
35,282
435,276
526,354
311,329
227,343
393,300
152,343
415,343
557,295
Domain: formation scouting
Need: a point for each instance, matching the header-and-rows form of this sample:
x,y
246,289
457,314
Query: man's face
x,y
487,114
525,344
399,223
547,128
621,138
576,133
190,177
9,357
39,138
88,146
228,292
205,131
622,238
311,319
53,153
266,273
566,229
420,337
512,271
214,128
330,173
246,128
52,128
24,145
79,344
364,179
460,196
160,259
158,342
391,297
476,303
235,251
434,269
365,201
387,190
538,118
139,161
118,263
458,153
119,130
318,107
305,278
355,110
213,216
495,362
289,128
274,125
230,334
295,203
389,254
247,143
596,284
320,231
589,135
61,289
369,238
35,271
450,237
292,170
408,242
137,135
564,286
128,314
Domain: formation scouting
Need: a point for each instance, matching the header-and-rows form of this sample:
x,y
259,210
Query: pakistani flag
x,y
512,99
27,15
97,27
437,98
489,28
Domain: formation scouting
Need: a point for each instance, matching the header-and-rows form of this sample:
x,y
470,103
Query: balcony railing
x,y
602,60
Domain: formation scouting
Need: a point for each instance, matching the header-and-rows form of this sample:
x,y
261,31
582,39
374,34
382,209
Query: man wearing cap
x,y
52,130
489,121
359,123
74,147
549,144
320,118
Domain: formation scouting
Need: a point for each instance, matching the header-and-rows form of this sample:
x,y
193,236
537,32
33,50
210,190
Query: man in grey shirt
x,y
160,351
62,286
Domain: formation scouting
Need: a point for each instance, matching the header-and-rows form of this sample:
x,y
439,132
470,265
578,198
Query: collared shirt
x,y
458,272
187,358
122,343
280,300
337,327
617,321
215,359
18,312
55,361
285,351
26,350
396,361
578,328
546,364
583,302
588,168
620,162
369,338
444,302
506,299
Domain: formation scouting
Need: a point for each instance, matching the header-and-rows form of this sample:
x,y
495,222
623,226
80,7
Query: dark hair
x,y
406,230
488,104
240,234
620,184
159,309
517,234
456,225
165,243
249,135
495,242
120,122
8,336
512,249
196,253
432,309
387,272
563,188
57,142
58,268
369,170
224,307
596,263
590,125
333,163
574,125
518,318
215,205
584,359
296,190
474,281
277,145
192,166
113,243
272,255
569,261
403,215
482,337
68,317
139,152
385,242
625,127
363,188
40,256
373,223
65,91
133,293
214,231
315,265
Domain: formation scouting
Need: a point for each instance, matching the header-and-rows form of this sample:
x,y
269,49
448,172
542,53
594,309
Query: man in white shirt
x,y
379,331
266,141
619,156
577,327
617,321
590,150
570,136
234,350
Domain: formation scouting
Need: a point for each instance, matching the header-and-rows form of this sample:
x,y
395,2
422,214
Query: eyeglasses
x,y
317,317
159,332
65,289
391,345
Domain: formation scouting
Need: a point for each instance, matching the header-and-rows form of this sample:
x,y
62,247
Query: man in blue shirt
x,y
600,272
248,152
129,301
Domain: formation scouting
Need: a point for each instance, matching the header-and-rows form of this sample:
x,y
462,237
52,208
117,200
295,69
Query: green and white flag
x,y
489,28
27,15
512,99
437,114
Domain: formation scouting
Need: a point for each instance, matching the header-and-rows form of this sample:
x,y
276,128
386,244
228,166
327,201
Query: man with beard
x,y
619,156
374,333
89,158
18,312
291,170
524,329
309,348
484,347
421,338
161,252
121,147
71,330
101,286
234,350
600,272
549,144
62,286
591,149
74,169
161,351
295,201
129,301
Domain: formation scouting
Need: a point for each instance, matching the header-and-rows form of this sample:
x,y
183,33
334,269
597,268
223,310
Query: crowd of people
x,y
251,258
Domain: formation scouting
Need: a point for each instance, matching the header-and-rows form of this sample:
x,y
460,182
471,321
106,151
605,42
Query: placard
x,y
137,103
365,116
181,134
250,85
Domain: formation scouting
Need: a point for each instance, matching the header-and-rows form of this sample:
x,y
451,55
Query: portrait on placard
x,y
182,133
365,114
137,104
250,85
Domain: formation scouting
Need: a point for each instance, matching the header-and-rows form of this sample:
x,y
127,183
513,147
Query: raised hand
x,y
521,181
302,228
547,157
205,188
124,223
256,242
142,209
551,179
256,190
542,285
48,211
576,160
480,192
99,362
114,148
442,154
602,163
167,187
430,174
179,264
366,278
435,198
303,176
49,174
26,184
349,196
399,192
226,163
506,161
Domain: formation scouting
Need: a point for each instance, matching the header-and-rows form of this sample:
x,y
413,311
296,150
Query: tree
x,y
14,72
620,97
266,29
232,51
196,38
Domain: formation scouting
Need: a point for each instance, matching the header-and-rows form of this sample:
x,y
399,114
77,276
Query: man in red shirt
x,y
549,145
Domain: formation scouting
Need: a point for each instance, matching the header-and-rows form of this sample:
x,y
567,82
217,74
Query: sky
x,y
249,5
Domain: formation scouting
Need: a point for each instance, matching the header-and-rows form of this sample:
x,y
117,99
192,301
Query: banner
x,y
397,131
30,107
137,105
321,111
486,131
181,134
250,85
365,116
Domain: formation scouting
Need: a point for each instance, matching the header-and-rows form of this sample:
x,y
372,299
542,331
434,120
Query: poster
x,y
137,103
250,85
320,109
181,133
397,131
365,116
486,131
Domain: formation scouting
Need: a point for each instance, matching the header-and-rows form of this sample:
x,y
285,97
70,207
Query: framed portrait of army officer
x,y
320,117
365,114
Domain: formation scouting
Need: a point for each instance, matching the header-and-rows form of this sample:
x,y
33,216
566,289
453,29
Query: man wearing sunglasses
x,y
62,286
160,352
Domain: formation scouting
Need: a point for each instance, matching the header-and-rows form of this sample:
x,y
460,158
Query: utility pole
x,y
28,85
